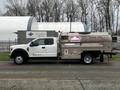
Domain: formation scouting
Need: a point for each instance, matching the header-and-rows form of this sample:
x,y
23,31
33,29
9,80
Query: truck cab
x,y
40,47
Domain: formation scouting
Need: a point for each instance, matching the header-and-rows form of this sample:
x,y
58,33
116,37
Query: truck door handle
x,y
43,47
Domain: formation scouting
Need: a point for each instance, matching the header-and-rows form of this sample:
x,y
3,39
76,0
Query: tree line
x,y
97,15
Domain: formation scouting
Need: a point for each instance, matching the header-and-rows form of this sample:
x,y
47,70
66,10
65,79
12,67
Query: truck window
x,y
48,41
114,39
64,38
38,42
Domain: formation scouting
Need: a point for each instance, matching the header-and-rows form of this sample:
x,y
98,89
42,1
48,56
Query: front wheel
x,y
19,59
87,58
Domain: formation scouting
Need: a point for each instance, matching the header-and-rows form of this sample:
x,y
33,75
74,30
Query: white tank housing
x,y
11,24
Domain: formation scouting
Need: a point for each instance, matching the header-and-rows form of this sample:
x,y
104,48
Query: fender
x,y
21,51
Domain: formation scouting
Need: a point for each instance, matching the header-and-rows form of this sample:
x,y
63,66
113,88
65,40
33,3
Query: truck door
x,y
51,47
43,47
37,48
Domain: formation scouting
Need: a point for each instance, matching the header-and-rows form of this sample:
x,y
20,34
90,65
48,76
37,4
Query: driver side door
x,y
37,48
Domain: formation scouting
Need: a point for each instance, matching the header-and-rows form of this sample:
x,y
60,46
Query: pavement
x,y
62,76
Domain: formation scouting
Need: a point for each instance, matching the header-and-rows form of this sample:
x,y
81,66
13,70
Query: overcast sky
x,y
2,5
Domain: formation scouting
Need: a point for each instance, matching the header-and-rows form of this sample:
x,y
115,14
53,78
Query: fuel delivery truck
x,y
85,47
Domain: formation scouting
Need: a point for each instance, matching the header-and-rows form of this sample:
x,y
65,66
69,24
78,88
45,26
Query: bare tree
x,y
105,5
16,8
118,13
98,15
39,11
83,4
57,10
46,7
45,10
31,7
71,10
100,11
112,13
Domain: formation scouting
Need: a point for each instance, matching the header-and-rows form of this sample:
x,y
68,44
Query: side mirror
x,y
31,44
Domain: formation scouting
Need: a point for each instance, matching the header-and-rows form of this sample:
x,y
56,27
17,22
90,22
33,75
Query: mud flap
x,y
101,58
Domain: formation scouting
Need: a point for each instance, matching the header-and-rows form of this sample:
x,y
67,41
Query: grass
x,y
4,56
116,57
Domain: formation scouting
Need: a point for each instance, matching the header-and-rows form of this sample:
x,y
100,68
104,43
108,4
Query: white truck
x,y
84,47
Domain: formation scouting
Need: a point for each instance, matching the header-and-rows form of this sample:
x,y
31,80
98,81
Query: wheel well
x,y
93,53
19,51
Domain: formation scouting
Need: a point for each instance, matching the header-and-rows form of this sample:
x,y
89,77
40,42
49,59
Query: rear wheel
x,y
19,59
87,58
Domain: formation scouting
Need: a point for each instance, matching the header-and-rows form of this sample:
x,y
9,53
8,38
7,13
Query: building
x,y
26,28
61,26
10,24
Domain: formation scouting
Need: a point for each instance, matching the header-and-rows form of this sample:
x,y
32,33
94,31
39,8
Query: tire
x,y
87,59
19,59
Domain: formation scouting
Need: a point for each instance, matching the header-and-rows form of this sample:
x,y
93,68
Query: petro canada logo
x,y
75,38
30,34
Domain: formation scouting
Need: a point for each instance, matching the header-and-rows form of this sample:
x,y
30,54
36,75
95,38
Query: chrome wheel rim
x,y
87,59
19,59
